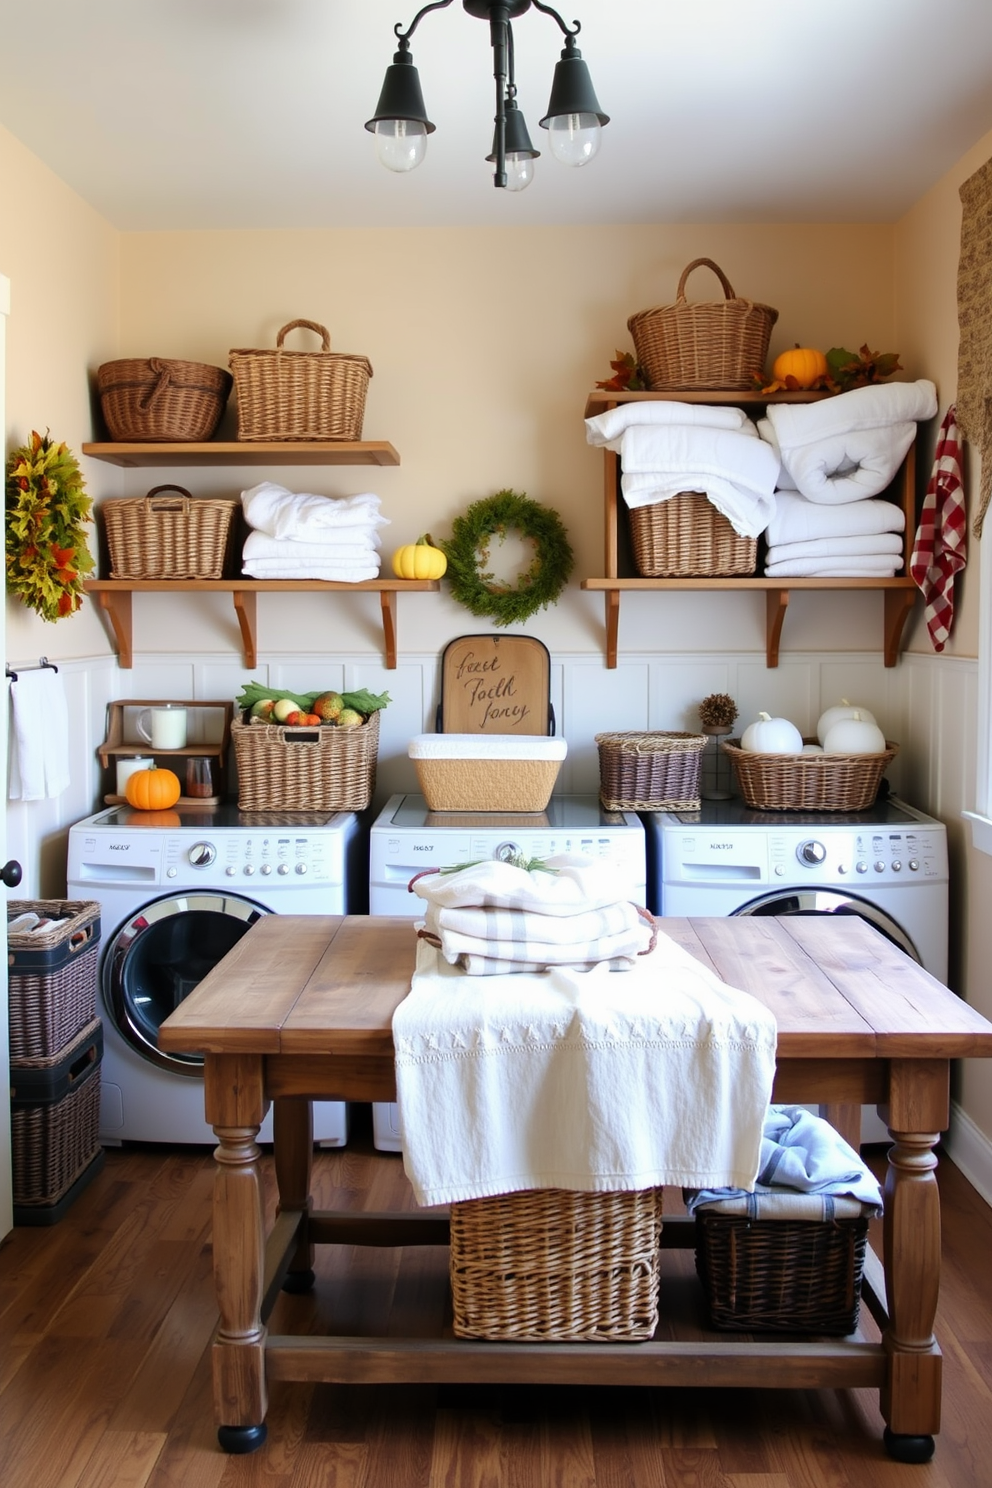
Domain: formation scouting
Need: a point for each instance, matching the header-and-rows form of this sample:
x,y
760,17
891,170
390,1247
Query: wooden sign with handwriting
x,y
495,685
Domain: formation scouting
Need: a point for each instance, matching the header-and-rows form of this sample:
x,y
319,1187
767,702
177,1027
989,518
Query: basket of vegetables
x,y
312,751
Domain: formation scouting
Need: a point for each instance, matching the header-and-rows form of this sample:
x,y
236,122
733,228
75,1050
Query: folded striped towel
x,y
515,942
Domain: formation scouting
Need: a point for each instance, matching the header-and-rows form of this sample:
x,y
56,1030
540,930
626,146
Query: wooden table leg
x,y
910,1400
292,1129
233,1086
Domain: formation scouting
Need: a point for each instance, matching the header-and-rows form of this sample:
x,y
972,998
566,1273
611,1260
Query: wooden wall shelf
x,y
114,598
236,452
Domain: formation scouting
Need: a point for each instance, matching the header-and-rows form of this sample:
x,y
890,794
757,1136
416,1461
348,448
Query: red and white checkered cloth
x,y
940,549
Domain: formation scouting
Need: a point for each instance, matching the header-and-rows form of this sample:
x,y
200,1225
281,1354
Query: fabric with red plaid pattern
x,y
940,549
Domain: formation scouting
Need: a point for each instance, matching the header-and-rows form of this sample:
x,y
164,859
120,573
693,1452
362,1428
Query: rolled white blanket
x,y
878,545
735,471
797,519
605,429
273,509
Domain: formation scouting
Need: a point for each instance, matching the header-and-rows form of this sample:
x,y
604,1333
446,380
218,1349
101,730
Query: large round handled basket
x,y
718,344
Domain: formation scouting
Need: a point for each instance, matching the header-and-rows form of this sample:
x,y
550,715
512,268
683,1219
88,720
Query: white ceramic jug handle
x,y
144,731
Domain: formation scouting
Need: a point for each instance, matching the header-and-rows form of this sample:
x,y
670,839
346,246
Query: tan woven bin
x,y
548,1264
686,535
161,400
654,771
719,345
325,768
51,976
168,537
808,782
285,394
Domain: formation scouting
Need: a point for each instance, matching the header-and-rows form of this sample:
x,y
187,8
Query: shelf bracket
x,y
776,604
116,604
611,598
898,604
246,609
387,600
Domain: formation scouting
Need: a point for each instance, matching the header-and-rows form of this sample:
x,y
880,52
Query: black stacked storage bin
x,y
56,1045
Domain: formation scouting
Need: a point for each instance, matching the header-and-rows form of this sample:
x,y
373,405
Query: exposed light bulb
x,y
574,138
519,172
400,144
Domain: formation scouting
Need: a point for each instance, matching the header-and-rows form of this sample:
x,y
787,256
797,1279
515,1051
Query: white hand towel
x,y
580,1080
605,429
273,509
798,520
879,544
735,471
40,757
352,543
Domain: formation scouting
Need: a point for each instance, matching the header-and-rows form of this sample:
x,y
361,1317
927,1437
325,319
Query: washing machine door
x,y
830,901
159,955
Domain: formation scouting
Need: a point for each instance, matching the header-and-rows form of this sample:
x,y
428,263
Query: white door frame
x,y
6,1192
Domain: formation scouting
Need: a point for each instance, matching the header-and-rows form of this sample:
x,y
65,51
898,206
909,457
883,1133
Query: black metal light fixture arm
x,y
547,10
404,36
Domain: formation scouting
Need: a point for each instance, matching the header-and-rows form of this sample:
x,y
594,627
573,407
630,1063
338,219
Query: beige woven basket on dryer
x,y
720,344
285,394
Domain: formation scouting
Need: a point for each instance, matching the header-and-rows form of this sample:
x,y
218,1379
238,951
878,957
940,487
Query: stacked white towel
x,y
494,917
668,448
300,535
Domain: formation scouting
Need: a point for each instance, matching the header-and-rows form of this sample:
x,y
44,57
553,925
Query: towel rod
x,y
43,661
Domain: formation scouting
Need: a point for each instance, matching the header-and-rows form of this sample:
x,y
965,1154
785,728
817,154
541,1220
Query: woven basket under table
x,y
173,536
548,1264
654,771
51,975
779,1275
284,394
323,768
706,344
686,535
808,782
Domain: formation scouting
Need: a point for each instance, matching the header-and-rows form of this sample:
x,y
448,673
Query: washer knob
x,y
913,865
266,869
202,854
862,866
879,866
283,869
812,852
248,869
505,851
230,872
301,867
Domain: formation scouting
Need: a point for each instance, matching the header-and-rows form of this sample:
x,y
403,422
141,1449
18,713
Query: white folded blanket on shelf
x,y
344,572
605,429
798,520
734,470
878,545
515,940
273,509
801,1154
364,545
580,1080
855,566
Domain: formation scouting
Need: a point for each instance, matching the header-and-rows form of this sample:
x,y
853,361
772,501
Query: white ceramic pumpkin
x,y
768,735
840,710
854,735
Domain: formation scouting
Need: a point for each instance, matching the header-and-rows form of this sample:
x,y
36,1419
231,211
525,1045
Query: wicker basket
x,y
687,535
54,1139
300,394
650,771
168,537
325,768
51,976
155,400
550,1264
486,772
781,1275
720,344
808,782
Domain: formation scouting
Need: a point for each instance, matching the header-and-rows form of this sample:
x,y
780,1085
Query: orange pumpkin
x,y
153,790
801,363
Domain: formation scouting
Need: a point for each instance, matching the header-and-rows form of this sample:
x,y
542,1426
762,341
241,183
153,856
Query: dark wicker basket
x,y
324,768
173,536
549,1263
719,345
686,535
52,976
53,1141
779,1275
158,400
285,394
808,782
650,772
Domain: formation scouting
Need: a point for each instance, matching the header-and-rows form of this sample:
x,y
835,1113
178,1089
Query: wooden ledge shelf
x,y
899,597
237,452
114,598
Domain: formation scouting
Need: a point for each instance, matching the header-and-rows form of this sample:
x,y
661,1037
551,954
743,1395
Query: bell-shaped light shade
x,y
574,119
518,152
400,123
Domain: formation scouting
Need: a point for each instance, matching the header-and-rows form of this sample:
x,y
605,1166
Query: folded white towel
x,y
878,544
853,567
351,544
798,520
735,471
514,924
39,760
515,940
580,1080
605,429
338,573
272,508
568,884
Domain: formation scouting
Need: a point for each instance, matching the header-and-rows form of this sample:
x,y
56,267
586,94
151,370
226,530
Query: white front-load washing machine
x,y
406,837
173,901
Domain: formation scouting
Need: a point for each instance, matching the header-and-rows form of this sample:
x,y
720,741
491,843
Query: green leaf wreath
x,y
46,550
467,552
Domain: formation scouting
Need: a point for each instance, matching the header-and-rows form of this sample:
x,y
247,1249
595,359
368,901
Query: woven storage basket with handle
x,y
808,782
159,400
168,536
707,344
549,1263
325,768
687,535
650,771
52,975
285,394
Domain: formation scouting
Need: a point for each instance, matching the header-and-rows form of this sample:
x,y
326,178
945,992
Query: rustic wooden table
x,y
301,1008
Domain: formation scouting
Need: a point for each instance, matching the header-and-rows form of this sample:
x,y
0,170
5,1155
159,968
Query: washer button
x,y
897,866
266,869
862,867
171,872
913,865
301,867
283,869
879,866
248,869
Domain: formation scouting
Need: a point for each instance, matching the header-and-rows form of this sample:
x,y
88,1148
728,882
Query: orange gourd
x,y
152,790
801,363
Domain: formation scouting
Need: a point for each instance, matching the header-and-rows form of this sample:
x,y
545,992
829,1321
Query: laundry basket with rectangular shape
x,y
51,974
686,536
54,1123
284,394
168,536
289,768
655,771
486,772
549,1264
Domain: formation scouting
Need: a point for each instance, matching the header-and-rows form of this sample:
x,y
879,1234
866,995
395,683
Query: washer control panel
x,y
804,854
240,856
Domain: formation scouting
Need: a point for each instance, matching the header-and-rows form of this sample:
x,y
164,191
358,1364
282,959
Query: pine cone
x,y
718,710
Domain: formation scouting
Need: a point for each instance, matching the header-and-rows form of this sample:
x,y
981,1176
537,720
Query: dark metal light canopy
x,y
574,119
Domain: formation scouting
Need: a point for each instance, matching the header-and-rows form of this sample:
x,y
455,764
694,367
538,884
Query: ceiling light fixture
x,y
574,119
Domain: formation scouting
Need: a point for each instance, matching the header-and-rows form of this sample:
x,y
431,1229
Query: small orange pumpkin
x,y
152,790
802,363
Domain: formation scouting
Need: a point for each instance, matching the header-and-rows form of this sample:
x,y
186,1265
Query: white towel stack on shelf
x,y
303,536
836,457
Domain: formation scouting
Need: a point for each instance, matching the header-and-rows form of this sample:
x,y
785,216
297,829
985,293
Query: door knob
x,y
10,873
